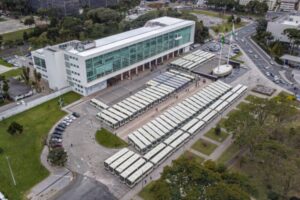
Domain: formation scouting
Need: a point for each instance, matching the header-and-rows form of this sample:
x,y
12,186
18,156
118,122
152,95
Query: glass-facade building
x,y
90,66
105,64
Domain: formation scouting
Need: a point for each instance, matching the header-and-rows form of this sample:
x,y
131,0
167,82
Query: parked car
x,y
62,125
59,129
75,114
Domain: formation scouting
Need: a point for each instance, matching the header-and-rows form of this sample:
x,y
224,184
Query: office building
x,y
92,65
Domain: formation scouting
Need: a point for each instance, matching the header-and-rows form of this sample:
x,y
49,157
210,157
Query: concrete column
x,y
122,77
129,73
136,70
156,61
143,67
168,57
173,54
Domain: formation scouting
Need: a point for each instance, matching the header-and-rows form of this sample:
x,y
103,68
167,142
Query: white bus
x,y
161,156
135,166
204,113
155,129
114,157
140,146
155,137
151,132
173,137
222,107
164,124
146,135
119,161
154,151
127,163
198,126
173,124
226,96
210,116
180,141
137,176
98,104
160,126
190,124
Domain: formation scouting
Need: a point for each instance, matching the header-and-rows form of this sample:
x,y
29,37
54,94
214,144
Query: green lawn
x,y
109,140
241,105
226,27
204,146
210,13
12,73
251,97
191,155
4,63
219,138
228,154
17,35
146,192
24,150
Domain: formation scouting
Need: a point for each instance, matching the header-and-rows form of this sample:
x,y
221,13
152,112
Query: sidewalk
x,y
58,179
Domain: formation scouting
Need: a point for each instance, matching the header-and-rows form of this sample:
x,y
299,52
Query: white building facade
x,y
87,66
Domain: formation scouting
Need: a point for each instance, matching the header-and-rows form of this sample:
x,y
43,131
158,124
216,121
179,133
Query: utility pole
x,y
11,172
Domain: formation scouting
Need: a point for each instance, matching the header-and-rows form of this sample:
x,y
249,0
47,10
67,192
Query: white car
x,y
272,63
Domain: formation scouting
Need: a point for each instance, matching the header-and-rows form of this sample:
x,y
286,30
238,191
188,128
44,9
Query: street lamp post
x,y
10,170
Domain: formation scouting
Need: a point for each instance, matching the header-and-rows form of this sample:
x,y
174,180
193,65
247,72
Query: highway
x,y
262,60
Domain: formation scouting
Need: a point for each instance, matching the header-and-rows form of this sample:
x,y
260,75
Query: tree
x,y
26,74
29,20
218,130
15,128
1,150
57,157
186,179
25,36
5,89
294,37
238,20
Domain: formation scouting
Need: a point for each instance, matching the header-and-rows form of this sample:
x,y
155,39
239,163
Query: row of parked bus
x,y
207,103
157,90
132,167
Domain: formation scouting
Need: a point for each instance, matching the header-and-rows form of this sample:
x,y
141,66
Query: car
x,y
268,73
59,129
75,114
55,139
272,63
66,118
266,67
66,122
73,117
271,74
242,40
62,125
250,51
57,133
256,56
56,145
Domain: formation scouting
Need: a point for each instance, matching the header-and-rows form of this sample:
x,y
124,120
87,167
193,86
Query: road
x,y
263,61
85,188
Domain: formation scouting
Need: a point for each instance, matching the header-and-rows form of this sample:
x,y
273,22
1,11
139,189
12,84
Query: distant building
x,y
277,28
90,66
18,90
271,3
292,61
70,7
289,5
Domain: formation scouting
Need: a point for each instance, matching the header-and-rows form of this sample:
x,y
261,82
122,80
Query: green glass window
x,y
39,62
105,64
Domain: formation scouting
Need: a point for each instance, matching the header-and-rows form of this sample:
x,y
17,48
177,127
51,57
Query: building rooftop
x,y
290,58
151,28
17,88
